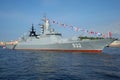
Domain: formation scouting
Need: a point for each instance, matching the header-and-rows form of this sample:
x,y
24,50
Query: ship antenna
x,y
32,32
32,28
44,15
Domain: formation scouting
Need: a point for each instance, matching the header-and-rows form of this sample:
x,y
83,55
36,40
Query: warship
x,y
50,40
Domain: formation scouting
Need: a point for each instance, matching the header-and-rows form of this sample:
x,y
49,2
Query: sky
x,y
17,16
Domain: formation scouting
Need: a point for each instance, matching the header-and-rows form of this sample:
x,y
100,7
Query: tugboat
x,y
50,40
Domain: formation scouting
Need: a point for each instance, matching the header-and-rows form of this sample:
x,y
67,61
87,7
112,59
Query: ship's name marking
x,y
76,45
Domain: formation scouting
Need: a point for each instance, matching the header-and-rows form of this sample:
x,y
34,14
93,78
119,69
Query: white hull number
x,y
76,45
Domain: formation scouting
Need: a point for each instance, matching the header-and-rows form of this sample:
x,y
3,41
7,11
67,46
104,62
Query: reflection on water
x,y
39,65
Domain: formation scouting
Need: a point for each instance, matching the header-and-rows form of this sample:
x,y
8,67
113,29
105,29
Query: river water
x,y
42,65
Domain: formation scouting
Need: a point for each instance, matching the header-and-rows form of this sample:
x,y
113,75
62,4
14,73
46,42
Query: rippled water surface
x,y
38,65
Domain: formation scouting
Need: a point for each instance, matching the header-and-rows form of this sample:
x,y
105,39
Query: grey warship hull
x,y
72,46
50,40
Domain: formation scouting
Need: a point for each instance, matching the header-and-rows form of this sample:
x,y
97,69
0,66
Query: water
x,y
38,65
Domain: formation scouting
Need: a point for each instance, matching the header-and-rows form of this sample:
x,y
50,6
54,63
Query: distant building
x,y
115,44
2,43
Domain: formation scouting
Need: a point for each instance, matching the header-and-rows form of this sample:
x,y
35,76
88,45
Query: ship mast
x,y
46,26
33,32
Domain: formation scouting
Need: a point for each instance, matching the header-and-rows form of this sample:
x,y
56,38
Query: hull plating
x,y
78,46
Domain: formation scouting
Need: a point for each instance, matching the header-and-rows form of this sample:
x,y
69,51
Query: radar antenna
x,y
33,32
